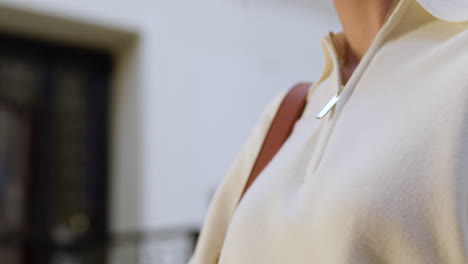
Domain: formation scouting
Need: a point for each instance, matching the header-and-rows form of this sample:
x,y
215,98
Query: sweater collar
x,y
448,10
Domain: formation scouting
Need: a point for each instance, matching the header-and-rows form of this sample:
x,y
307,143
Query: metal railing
x,y
173,246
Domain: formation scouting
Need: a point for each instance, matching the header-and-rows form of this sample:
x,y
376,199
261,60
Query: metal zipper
x,y
392,9
328,107
334,100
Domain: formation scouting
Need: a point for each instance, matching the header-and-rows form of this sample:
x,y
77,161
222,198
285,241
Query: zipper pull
x,y
328,107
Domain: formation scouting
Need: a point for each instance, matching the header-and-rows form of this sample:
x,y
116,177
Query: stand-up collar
x,y
449,10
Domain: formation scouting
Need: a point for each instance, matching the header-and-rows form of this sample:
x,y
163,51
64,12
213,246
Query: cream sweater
x,y
383,178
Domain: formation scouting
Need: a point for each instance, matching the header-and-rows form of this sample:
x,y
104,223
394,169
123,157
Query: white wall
x,y
189,89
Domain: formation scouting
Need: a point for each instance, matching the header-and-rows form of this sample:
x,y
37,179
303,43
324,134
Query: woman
x,y
382,177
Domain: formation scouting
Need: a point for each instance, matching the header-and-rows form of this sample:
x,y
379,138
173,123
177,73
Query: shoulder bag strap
x,y
281,127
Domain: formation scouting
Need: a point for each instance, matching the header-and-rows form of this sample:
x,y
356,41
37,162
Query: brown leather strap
x,y
281,127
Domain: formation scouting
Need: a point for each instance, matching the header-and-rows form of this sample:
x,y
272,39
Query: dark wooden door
x,y
54,102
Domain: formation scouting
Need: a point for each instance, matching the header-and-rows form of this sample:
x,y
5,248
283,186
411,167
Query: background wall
x,y
191,78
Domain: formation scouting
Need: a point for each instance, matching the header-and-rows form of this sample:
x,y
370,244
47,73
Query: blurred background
x,y
119,118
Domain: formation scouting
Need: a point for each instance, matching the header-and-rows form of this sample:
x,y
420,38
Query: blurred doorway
x,y
54,102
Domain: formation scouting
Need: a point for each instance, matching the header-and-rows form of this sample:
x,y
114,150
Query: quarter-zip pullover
x,y
381,178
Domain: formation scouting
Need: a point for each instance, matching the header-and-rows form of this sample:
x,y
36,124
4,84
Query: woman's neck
x,y
361,21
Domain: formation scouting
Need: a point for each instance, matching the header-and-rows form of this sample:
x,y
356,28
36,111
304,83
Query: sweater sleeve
x,y
228,192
